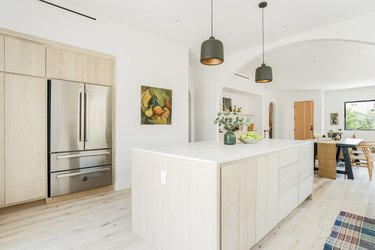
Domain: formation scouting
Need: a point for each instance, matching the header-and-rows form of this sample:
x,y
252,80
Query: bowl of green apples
x,y
250,138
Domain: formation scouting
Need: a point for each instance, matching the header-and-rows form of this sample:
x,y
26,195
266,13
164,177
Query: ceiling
x,y
322,64
237,23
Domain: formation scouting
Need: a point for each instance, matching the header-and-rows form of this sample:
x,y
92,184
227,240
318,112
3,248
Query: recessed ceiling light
x,y
284,27
362,51
177,22
314,61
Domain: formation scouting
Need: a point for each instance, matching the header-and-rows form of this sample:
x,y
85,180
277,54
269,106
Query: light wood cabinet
x,y
64,64
267,194
1,139
1,53
98,70
25,138
238,193
24,57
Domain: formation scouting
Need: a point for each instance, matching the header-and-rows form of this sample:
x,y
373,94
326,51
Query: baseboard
x,y
121,185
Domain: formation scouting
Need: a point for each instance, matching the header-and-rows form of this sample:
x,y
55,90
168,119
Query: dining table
x,y
342,146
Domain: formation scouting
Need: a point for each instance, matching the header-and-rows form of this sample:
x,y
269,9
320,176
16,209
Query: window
x,y
360,115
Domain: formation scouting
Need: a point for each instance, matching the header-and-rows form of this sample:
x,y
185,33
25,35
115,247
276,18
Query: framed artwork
x,y
227,104
334,118
156,106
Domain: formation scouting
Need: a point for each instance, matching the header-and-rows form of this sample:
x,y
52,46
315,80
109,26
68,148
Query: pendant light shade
x,y
263,74
212,50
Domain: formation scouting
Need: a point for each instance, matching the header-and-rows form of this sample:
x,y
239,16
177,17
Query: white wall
x,y
334,103
141,59
295,96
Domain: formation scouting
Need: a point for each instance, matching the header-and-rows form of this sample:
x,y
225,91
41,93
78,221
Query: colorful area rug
x,y
351,231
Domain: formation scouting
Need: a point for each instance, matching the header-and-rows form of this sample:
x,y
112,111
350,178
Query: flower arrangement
x,y
229,122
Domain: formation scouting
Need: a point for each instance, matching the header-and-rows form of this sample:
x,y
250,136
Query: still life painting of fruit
x,y
156,105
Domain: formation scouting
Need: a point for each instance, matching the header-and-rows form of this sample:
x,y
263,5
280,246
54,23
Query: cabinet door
x,y
25,138
267,195
1,53
64,64
1,139
238,199
24,57
98,70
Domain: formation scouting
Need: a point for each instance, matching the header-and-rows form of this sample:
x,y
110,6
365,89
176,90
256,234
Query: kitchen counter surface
x,y
217,152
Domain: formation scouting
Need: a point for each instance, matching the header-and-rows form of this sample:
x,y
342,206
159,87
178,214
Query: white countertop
x,y
217,152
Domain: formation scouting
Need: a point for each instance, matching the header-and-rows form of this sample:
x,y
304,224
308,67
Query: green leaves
x,y
229,122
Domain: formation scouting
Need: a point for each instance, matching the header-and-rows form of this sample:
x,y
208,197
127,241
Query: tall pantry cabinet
x,y
25,121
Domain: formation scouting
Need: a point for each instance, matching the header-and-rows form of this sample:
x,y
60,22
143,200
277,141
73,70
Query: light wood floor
x,y
104,221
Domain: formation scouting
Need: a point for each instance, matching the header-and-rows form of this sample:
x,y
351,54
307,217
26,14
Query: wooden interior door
x,y
304,120
270,115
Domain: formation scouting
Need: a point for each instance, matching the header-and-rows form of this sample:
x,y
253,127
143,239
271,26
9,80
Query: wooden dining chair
x,y
327,159
363,157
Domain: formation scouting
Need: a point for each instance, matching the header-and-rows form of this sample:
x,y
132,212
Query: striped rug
x,y
351,232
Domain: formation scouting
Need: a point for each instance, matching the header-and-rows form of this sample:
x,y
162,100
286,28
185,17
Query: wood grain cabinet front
x,y
238,196
64,64
25,57
25,138
2,139
98,70
1,53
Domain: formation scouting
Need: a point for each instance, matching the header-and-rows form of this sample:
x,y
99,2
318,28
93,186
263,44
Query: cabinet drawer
x,y
80,180
305,188
288,178
306,168
288,156
306,151
288,202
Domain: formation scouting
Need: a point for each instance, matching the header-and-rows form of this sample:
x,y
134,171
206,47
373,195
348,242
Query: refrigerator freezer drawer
x,y
79,180
83,159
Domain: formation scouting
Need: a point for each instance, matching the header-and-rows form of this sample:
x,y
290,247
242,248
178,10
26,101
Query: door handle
x,y
80,116
59,176
86,117
59,157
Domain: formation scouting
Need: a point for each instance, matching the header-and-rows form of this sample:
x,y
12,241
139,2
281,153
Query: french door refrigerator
x,y
79,136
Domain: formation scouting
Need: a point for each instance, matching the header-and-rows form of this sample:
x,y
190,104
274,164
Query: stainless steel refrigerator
x,y
79,136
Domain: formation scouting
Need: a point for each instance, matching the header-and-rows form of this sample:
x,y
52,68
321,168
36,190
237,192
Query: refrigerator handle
x,y
80,116
86,117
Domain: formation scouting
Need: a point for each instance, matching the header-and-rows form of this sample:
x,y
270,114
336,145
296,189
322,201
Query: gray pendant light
x,y
212,50
263,74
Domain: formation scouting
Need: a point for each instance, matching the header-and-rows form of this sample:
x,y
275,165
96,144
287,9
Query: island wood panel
x,y
238,193
25,138
64,64
98,70
1,53
24,57
2,161
182,214
267,194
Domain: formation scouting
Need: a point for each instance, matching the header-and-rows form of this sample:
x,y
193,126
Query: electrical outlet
x,y
163,177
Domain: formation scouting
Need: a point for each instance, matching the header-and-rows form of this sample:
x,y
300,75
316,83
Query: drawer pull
x,y
82,173
81,155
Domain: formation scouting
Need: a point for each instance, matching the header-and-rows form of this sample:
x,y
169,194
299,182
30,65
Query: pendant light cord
x,y
263,32
212,18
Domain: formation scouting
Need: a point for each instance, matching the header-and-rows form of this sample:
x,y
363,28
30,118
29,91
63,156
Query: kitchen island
x,y
208,195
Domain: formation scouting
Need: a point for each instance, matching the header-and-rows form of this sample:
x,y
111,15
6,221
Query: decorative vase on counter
x,y
229,138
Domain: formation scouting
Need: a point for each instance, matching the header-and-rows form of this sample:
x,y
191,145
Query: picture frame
x,y
227,104
334,118
156,106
